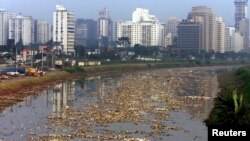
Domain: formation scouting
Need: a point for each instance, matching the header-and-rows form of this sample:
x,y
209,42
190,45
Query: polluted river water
x,y
164,104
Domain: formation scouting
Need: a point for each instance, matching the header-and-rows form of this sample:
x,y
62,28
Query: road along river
x,y
164,104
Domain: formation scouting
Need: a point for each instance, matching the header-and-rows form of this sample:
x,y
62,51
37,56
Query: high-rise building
x,y
242,21
124,29
229,39
20,28
86,32
80,32
213,31
171,26
244,30
233,40
240,11
105,29
238,42
64,29
190,36
171,29
141,14
220,35
168,40
34,31
209,23
3,27
43,30
144,29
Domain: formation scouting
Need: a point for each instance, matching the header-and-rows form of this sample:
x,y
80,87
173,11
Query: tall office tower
x,y
242,21
209,25
20,28
190,36
212,28
171,26
86,32
105,29
43,32
64,29
80,32
34,31
240,11
3,27
144,29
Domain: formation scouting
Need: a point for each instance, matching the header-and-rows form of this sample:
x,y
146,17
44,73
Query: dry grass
x,y
28,81
15,89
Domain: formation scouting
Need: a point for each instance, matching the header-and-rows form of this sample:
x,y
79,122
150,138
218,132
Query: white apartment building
x,y
229,39
20,27
3,27
238,42
141,15
64,29
105,28
220,35
168,40
43,32
144,29
234,40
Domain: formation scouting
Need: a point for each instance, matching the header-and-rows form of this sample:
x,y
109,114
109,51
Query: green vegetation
x,y
74,69
232,106
119,67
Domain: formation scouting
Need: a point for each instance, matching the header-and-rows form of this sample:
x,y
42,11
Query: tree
x,y
146,51
49,43
80,51
104,42
19,45
7,55
124,41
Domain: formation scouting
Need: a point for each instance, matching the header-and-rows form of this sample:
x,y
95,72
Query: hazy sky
x,y
120,9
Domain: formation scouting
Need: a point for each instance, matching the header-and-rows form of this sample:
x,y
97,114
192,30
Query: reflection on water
x,y
156,105
63,97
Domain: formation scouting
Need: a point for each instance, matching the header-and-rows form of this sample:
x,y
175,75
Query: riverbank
x,y
15,89
232,106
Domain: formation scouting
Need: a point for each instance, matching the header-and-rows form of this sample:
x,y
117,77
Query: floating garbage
x,y
143,99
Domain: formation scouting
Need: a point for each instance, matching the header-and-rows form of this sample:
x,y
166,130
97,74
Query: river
x,y
164,104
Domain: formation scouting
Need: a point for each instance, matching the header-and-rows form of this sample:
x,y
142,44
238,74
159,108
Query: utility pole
x,y
42,58
32,56
16,59
52,58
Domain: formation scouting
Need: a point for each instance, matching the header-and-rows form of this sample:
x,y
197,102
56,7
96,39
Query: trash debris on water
x,y
144,100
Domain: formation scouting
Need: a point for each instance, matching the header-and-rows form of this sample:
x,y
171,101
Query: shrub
x,y
229,109
74,69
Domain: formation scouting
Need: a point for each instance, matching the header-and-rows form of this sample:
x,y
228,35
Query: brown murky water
x,y
166,104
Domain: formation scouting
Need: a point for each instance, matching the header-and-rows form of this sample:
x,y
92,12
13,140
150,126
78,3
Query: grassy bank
x,y
232,106
15,89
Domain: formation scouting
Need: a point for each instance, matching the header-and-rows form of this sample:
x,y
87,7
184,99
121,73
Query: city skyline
x,y
120,10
